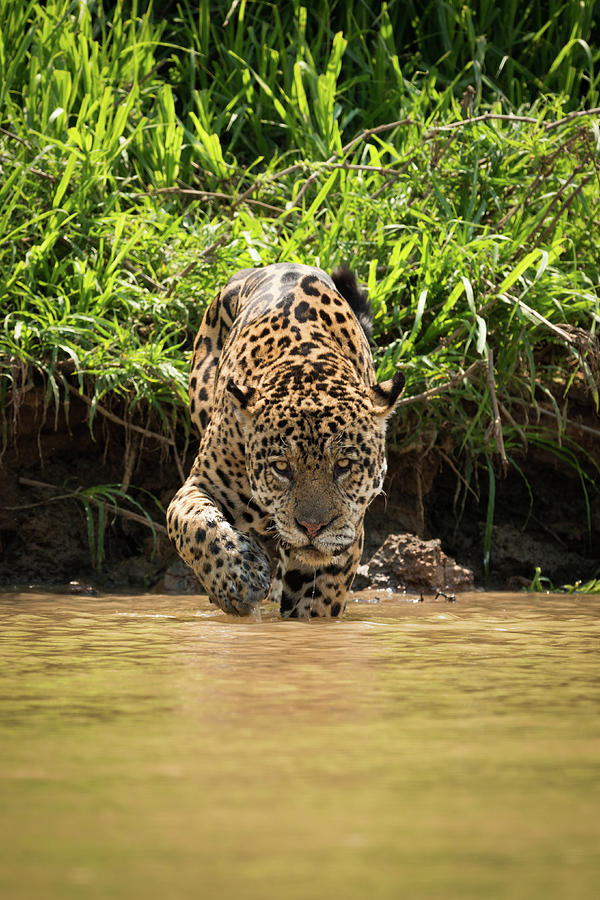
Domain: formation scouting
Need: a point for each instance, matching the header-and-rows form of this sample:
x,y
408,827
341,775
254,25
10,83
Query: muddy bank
x,y
52,532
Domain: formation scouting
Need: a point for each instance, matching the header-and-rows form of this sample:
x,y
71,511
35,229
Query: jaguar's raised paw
x,y
239,587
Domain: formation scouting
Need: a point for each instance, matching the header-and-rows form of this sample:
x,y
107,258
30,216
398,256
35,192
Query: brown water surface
x,y
152,747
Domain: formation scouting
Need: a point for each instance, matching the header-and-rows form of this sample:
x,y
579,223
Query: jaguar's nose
x,y
312,529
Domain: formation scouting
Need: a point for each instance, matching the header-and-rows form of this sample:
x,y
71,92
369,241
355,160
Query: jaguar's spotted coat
x,y
292,424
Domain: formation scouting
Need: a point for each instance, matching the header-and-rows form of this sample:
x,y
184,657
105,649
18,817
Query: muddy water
x,y
152,747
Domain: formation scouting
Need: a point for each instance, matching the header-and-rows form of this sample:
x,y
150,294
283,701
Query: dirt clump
x,y
407,563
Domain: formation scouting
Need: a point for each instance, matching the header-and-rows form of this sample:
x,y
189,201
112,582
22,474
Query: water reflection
x,y
153,746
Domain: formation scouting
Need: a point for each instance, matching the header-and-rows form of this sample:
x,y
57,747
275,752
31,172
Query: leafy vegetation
x,y
146,152
540,584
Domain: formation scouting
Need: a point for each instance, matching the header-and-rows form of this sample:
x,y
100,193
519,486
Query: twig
x,y
132,447
212,247
389,126
175,453
558,331
354,167
40,484
564,423
124,513
548,229
447,342
15,137
456,379
486,117
335,161
574,115
576,425
369,132
192,265
188,192
458,474
114,418
270,178
435,164
383,188
39,173
556,198
518,429
545,167
213,195
497,421
149,282
508,117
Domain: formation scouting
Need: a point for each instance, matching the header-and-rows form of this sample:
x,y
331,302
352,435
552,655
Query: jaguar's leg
x,y
276,590
230,565
308,592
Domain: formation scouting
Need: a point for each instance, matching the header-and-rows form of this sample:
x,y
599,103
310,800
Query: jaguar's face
x,y
315,475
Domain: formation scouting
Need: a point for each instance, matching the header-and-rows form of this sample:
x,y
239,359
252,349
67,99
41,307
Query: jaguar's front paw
x,y
241,575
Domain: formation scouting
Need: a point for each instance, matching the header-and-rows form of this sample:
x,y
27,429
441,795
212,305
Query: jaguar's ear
x,y
243,395
244,399
384,396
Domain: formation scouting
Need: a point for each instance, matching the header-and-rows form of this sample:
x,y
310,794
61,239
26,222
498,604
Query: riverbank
x,y
58,526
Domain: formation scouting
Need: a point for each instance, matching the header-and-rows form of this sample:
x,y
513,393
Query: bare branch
x,y
456,379
497,421
117,419
123,513
550,126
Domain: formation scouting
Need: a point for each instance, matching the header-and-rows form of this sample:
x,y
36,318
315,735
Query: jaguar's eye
x,y
282,468
342,466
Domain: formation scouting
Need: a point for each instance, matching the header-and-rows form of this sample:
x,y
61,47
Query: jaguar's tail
x,y
346,283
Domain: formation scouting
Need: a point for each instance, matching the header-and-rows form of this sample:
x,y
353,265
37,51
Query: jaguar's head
x,y
316,462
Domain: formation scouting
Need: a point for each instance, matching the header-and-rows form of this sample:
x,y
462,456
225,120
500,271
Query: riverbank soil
x,y
50,534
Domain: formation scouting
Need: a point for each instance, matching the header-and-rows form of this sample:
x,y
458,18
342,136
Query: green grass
x,y
540,584
146,153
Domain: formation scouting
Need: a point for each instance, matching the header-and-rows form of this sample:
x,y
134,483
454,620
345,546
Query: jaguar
x,y
292,423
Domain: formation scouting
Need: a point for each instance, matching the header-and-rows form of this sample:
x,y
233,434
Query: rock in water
x,y
405,562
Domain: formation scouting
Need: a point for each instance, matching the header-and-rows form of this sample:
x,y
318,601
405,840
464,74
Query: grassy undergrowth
x,y
148,152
